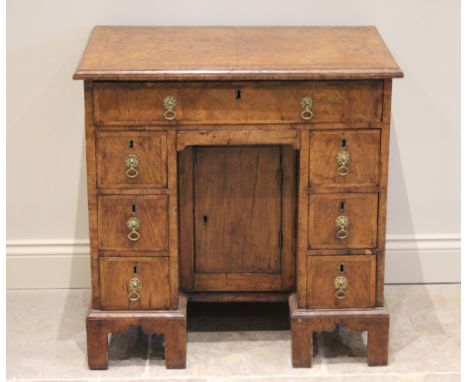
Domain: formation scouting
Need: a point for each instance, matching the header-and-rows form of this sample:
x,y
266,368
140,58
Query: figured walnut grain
x,y
235,53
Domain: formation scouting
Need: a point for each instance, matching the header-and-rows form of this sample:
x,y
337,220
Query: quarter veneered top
x,y
235,53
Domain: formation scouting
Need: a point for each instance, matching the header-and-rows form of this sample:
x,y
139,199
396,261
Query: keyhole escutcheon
x,y
341,206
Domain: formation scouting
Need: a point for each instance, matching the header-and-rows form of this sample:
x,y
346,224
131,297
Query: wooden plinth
x,y
304,322
171,323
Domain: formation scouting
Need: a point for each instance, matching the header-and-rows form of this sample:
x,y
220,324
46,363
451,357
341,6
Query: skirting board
x,y
65,264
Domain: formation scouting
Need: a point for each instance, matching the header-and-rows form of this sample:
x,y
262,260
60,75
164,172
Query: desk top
x,y
235,53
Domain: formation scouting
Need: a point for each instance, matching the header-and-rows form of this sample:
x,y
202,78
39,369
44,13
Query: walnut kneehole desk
x,y
237,164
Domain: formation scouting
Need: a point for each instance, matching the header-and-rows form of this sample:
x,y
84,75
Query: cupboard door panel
x,y
237,209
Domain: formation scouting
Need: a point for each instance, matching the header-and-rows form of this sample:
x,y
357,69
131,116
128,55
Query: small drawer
x,y
131,159
134,223
344,157
341,281
342,221
146,103
135,284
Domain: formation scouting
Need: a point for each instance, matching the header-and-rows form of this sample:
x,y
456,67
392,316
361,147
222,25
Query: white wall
x,y
46,208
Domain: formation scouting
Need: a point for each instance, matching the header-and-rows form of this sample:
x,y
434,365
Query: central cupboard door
x,y
238,218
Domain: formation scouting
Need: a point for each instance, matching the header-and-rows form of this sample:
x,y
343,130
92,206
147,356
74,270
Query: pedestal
x,y
304,322
170,323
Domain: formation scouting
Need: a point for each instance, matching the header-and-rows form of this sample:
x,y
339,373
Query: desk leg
x,y
301,344
96,333
176,345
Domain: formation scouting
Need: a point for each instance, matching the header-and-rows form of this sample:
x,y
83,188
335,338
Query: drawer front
x,y
131,159
135,284
341,281
260,102
344,157
342,221
133,223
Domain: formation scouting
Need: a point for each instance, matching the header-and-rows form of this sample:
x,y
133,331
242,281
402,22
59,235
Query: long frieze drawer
x,y
341,281
136,284
143,103
342,220
344,157
131,159
134,223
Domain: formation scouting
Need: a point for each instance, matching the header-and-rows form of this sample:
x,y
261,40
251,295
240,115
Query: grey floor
x,y
46,342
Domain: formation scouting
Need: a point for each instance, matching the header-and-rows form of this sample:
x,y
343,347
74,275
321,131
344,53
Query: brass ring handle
x,y
342,159
131,162
342,170
342,223
170,115
340,283
341,234
340,294
133,235
133,225
134,287
169,104
307,114
132,172
134,296
306,104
